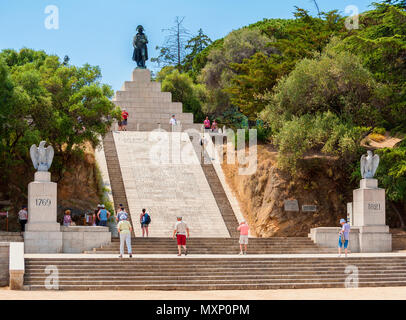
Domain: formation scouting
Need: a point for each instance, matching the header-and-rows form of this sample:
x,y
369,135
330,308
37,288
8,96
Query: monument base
x,y
375,241
43,242
78,239
328,237
362,239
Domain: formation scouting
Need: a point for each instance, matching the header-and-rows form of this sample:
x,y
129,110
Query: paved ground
x,y
387,293
216,256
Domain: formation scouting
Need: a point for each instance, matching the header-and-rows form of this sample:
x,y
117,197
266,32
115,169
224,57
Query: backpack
x,y
147,219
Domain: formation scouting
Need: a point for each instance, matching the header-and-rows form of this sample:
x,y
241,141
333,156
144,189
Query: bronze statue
x,y
140,48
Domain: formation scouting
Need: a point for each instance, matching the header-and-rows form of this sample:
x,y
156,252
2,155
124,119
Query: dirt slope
x,y
262,195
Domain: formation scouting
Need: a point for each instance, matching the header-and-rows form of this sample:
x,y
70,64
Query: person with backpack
x,y
103,216
344,237
145,220
122,214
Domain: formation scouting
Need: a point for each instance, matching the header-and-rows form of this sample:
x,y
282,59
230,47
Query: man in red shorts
x,y
181,230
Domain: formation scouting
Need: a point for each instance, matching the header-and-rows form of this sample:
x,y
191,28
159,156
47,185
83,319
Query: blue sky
x,y
100,32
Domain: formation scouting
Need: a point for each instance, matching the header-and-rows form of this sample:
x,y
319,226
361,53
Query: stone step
x,y
202,287
156,117
214,273
145,94
136,86
222,200
154,109
113,167
149,105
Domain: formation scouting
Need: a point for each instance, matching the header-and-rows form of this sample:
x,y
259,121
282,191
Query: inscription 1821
x,y
374,206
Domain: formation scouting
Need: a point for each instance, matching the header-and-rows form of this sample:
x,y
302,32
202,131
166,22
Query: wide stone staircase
x,y
217,246
217,273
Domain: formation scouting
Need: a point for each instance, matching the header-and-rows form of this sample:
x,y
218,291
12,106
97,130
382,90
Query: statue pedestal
x,y
43,234
370,217
141,75
369,232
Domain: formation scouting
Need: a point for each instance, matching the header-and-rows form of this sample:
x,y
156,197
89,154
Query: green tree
x,y
46,99
380,44
195,46
184,90
336,82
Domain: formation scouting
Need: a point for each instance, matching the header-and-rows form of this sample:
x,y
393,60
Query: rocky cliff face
x,y
79,189
262,195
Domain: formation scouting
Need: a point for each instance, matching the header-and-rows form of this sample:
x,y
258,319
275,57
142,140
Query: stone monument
x,y
369,213
42,232
369,232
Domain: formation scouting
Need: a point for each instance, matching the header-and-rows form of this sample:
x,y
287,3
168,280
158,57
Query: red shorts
x,y
181,239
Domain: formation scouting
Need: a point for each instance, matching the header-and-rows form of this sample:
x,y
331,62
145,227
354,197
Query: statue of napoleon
x,y
140,48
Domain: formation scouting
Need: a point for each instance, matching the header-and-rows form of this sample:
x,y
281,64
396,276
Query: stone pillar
x,y
42,232
370,217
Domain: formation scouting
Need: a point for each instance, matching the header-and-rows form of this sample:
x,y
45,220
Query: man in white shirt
x,y
180,231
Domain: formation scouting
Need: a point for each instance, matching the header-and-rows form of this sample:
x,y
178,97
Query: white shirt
x,y
23,215
181,227
173,121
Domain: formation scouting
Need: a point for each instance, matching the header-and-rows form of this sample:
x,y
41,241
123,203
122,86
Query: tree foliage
x,y
43,98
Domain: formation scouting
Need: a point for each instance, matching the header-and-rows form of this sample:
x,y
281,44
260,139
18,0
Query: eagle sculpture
x,y
42,157
369,165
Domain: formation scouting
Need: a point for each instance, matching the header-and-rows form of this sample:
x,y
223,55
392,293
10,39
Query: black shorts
x,y
124,122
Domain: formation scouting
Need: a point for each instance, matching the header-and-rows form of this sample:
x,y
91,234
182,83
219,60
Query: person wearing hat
x,y
180,231
344,237
103,215
23,217
124,229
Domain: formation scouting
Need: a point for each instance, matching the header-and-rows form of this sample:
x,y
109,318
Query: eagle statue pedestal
x,y
369,216
42,232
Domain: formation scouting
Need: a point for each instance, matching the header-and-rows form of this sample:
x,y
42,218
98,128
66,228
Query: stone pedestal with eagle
x,y
369,212
369,232
43,233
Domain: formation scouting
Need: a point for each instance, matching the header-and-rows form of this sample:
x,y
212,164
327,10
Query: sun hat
x,y
343,221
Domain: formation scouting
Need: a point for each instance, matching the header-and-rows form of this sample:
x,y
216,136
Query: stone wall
x,y
80,239
4,264
11,237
